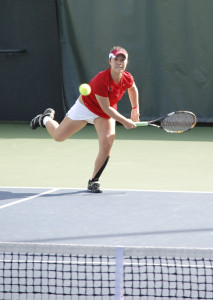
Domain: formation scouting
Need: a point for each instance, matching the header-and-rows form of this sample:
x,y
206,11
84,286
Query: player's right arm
x,y
113,113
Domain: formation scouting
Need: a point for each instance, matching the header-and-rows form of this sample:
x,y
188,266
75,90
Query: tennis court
x,y
116,217
149,234
158,194
142,159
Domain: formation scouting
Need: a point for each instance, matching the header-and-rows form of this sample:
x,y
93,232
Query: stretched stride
x,y
98,108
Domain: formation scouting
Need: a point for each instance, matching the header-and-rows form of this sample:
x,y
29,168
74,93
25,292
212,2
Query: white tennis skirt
x,y
80,112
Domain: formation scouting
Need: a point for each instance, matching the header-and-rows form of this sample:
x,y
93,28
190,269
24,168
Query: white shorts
x,y
80,112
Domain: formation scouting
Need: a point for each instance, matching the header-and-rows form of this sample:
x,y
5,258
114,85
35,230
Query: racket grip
x,y
141,123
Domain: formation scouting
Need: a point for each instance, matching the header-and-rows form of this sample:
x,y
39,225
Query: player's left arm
x,y
134,99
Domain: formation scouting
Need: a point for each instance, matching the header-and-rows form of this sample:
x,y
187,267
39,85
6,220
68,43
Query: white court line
x,y
111,189
29,198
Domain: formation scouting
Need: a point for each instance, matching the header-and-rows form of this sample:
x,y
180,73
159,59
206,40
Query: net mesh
x,y
27,274
179,122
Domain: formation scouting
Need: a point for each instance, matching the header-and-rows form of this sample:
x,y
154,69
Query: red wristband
x,y
134,107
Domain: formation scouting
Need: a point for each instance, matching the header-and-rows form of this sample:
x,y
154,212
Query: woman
x,y
98,108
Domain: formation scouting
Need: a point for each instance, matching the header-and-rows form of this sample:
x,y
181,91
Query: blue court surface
x,y
115,217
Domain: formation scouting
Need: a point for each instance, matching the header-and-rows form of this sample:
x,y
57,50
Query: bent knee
x,y
58,138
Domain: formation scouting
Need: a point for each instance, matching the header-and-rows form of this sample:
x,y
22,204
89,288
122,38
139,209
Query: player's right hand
x,y
129,124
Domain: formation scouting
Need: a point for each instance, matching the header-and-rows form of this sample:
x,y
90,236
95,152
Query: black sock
x,y
96,177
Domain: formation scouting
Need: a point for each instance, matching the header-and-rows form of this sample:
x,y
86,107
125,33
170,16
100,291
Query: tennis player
x,y
98,108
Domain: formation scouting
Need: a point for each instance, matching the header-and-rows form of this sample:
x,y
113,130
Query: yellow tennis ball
x,y
84,89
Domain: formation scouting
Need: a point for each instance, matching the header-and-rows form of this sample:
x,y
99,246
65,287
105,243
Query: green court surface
x,y
141,158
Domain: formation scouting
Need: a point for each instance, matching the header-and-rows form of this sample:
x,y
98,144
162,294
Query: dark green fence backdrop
x,y
170,49
169,42
30,81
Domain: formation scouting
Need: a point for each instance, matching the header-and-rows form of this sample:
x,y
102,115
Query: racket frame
x,y
159,120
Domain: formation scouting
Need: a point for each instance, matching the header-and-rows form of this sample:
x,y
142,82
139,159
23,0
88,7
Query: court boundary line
x,y
107,189
28,198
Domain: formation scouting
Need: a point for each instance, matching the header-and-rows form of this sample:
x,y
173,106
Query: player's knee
x,y
107,143
58,138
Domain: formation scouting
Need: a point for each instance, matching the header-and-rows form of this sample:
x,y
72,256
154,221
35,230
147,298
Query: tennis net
x,y
51,271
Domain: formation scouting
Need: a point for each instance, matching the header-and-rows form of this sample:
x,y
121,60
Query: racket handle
x,y
141,123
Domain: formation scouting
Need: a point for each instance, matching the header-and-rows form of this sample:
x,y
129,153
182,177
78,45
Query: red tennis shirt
x,y
103,85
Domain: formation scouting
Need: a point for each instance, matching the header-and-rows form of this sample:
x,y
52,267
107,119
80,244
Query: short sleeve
x,y
100,84
129,80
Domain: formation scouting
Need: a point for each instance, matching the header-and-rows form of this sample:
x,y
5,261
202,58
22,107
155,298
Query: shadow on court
x,y
126,235
6,195
115,217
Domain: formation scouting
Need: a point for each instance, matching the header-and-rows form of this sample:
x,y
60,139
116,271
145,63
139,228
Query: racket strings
x,y
179,122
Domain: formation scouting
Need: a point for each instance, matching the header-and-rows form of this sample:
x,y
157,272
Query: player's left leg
x,y
59,132
38,120
65,129
106,134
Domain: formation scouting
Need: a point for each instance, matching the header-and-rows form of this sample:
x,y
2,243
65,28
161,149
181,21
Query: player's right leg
x,y
106,134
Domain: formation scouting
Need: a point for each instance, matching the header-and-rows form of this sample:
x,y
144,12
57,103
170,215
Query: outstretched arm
x,y
113,113
134,99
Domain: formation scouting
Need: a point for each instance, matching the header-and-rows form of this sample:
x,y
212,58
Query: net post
x,y
119,273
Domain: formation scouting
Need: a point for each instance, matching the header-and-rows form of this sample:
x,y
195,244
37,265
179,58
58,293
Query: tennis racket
x,y
175,122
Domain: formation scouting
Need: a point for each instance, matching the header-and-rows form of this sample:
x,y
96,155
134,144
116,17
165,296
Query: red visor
x,y
116,52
